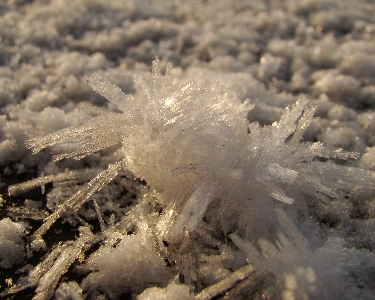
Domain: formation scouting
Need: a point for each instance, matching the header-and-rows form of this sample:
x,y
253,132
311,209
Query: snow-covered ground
x,y
132,238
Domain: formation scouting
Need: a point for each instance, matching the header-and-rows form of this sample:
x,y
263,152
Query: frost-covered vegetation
x,y
246,171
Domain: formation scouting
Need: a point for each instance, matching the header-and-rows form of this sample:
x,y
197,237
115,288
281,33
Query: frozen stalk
x,y
227,283
76,201
20,188
46,275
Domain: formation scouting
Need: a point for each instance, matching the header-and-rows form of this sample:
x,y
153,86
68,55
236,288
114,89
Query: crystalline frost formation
x,y
211,173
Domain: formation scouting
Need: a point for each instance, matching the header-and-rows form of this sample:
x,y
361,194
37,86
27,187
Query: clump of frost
x,y
210,173
202,191
302,271
68,290
132,265
12,246
368,159
171,292
194,145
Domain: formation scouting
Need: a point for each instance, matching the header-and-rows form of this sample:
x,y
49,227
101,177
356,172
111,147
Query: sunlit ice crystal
x,y
194,145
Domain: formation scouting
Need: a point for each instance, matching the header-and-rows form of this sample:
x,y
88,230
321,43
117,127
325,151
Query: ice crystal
x,y
305,273
193,144
210,173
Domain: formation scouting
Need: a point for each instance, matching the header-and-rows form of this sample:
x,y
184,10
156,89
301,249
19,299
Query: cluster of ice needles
x,y
224,211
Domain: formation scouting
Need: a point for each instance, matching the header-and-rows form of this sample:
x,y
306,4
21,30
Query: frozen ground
x,y
271,52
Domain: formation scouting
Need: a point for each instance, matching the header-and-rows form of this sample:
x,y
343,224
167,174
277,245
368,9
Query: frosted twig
x,y
50,279
47,274
225,284
97,210
20,188
76,200
27,213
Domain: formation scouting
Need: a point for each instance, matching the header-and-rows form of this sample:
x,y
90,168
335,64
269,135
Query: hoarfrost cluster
x,y
245,172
